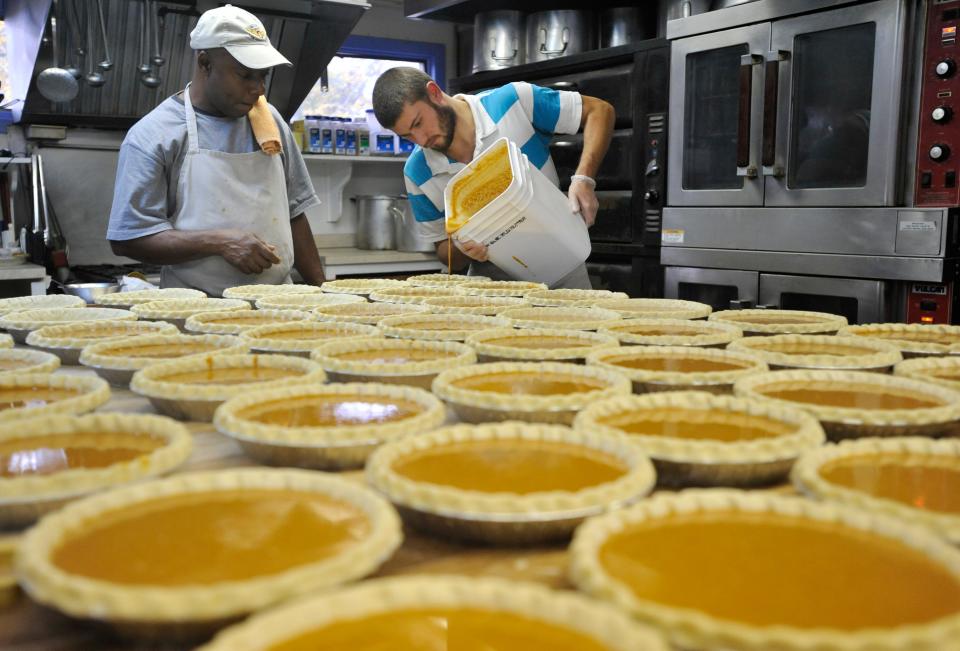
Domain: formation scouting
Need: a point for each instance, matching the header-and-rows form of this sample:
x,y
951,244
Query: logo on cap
x,y
257,32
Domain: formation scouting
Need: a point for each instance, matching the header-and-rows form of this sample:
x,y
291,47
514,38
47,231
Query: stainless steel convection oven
x,y
813,158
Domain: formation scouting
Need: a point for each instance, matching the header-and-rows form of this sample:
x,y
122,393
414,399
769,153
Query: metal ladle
x,y
107,63
56,83
94,78
144,68
158,59
75,33
149,79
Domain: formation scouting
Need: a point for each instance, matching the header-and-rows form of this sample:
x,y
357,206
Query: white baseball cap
x,y
240,33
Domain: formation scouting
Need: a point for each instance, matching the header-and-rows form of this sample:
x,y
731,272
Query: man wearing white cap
x,y
195,192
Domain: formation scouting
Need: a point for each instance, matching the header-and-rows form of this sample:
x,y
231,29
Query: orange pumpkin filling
x,y
462,629
535,384
852,397
14,398
511,466
161,351
43,455
331,411
676,364
244,375
205,538
394,356
923,481
548,342
769,569
694,424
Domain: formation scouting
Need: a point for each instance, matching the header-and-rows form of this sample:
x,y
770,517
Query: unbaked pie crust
x,y
61,458
672,368
499,287
328,426
24,360
301,337
492,492
20,323
410,294
127,300
694,617
895,406
392,361
67,341
253,293
442,280
360,286
820,352
116,360
537,344
439,327
673,332
482,305
178,311
31,395
547,618
549,392
356,530
913,339
369,313
932,503
6,341
40,302
305,302
944,371
572,297
567,318
193,387
655,308
696,438
233,322
781,322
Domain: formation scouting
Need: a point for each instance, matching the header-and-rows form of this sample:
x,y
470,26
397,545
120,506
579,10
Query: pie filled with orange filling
x,y
211,537
534,384
44,455
331,411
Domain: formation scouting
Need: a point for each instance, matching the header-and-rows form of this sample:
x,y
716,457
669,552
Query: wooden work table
x,y
25,626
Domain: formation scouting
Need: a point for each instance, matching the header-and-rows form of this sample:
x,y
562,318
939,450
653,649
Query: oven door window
x,y
711,114
832,94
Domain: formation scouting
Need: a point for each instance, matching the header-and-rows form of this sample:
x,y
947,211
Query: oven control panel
x,y
938,144
929,303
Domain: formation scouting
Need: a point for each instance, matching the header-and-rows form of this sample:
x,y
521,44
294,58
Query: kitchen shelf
x,y
355,159
4,161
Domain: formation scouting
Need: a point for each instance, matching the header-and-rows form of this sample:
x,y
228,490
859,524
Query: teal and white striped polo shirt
x,y
526,114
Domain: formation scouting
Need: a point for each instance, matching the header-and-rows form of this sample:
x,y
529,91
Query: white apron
x,y
220,190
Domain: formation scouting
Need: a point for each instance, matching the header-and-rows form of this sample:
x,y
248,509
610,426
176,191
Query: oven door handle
x,y
771,91
744,166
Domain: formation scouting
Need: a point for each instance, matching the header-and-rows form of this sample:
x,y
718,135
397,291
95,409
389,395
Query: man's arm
x,y
306,258
597,118
243,250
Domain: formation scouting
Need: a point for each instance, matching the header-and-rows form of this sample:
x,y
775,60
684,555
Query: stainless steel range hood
x,y
307,32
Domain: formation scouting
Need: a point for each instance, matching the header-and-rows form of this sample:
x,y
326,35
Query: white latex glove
x,y
583,201
473,250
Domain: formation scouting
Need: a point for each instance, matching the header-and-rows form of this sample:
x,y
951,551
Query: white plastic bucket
x,y
529,230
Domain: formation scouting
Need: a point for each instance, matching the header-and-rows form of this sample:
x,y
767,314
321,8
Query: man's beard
x,y
448,125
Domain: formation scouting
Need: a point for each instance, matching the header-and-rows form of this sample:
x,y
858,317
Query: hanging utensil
x,y
157,60
34,246
55,83
53,241
107,63
143,67
94,78
75,34
150,80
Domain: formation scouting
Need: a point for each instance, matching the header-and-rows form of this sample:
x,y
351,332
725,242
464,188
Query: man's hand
x,y
246,251
473,250
583,200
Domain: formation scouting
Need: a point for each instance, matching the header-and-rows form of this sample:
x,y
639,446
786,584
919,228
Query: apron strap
x,y
193,141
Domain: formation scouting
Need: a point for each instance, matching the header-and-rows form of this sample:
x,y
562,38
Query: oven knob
x,y
941,114
945,68
939,152
651,196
